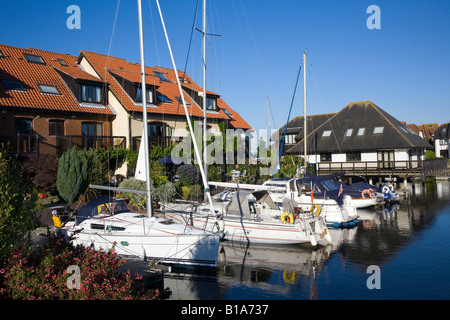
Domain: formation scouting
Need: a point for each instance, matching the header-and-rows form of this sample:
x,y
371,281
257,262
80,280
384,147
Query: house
x,y
48,103
428,130
294,130
166,116
362,136
442,141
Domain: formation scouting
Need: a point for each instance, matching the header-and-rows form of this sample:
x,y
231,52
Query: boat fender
x,y
366,192
142,253
315,210
287,218
57,221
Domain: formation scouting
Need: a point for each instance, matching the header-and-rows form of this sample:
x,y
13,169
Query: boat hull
x,y
255,231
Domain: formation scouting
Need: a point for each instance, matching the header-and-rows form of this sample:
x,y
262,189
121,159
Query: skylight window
x,y
161,76
46,88
361,131
13,85
163,98
228,113
62,62
349,132
34,58
181,101
326,133
378,130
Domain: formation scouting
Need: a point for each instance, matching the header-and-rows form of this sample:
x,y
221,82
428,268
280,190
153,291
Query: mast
x,y
304,110
144,113
204,94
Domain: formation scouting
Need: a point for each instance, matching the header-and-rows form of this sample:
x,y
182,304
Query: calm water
x,y
409,242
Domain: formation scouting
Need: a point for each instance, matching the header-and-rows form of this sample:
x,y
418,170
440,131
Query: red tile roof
x,y
14,66
108,66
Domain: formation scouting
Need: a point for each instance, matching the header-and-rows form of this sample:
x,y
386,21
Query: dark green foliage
x,y
16,205
76,169
189,174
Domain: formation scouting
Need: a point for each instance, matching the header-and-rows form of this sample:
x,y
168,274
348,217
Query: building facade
x,y
362,137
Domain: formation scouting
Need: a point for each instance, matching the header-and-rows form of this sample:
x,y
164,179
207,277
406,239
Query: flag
x,y
341,190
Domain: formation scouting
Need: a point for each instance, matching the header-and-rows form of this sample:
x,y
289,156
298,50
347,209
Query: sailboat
x,y
249,216
106,224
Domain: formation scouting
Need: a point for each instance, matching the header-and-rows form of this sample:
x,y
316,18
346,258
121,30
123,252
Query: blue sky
x,y
404,67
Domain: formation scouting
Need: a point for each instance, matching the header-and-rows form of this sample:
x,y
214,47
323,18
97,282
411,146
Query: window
x,y
46,88
1,54
13,85
56,127
181,101
353,156
34,58
361,131
91,129
161,76
349,132
139,95
290,139
325,157
211,103
228,113
163,98
91,93
159,133
326,133
24,126
378,130
62,62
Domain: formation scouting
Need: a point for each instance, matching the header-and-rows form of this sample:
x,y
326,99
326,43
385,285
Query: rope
x,y
287,122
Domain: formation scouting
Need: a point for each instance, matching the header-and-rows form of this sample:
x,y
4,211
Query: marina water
x,y
407,244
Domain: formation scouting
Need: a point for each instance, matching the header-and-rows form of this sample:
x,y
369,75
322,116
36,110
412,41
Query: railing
x,y
36,144
404,167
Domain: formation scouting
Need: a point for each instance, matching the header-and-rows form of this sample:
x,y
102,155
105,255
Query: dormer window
x,y
211,103
91,93
139,95
34,58
161,76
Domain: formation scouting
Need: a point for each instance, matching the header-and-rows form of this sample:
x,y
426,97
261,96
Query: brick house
x,y
48,104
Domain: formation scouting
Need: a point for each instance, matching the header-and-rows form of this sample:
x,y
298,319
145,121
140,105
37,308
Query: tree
x,y
76,169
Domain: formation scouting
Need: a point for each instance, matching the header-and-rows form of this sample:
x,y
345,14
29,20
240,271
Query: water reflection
x,y
301,272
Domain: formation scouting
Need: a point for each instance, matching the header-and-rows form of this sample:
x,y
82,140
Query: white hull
x,y
265,230
147,238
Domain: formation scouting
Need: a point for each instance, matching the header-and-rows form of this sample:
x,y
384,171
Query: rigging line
x,y
323,104
287,122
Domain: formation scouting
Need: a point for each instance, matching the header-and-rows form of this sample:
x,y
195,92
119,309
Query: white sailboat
x,y
103,225
249,216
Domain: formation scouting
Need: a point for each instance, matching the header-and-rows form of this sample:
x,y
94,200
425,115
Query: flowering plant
x,y
42,273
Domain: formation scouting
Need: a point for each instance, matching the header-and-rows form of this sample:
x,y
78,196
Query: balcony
x,y
26,144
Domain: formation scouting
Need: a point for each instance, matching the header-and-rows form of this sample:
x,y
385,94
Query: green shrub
x,y
17,202
76,169
185,192
134,184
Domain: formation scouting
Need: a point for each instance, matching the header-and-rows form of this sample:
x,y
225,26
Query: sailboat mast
x,y
144,113
304,110
204,93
